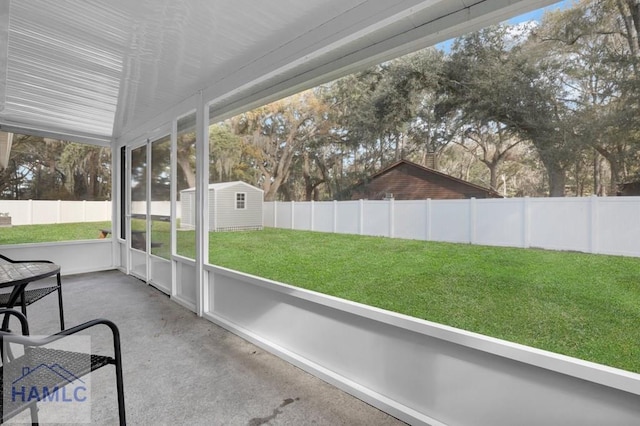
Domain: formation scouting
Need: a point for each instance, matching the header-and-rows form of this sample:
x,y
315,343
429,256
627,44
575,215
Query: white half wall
x,y
418,371
74,257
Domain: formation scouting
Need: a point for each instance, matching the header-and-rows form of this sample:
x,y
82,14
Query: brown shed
x,y
405,180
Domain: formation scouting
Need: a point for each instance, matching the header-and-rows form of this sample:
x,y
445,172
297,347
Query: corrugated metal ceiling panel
x,y
187,45
64,72
100,68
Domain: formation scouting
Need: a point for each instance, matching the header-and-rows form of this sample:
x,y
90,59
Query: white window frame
x,y
244,201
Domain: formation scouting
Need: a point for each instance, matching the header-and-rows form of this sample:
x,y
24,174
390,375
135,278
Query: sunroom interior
x,y
137,76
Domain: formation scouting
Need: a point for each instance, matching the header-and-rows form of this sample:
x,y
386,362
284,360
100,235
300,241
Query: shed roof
x,y
223,185
435,172
98,70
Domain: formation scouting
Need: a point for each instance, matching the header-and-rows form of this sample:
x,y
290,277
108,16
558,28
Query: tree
x,y
491,144
387,113
278,133
21,165
629,11
596,44
356,112
51,169
34,171
186,159
225,153
494,78
87,171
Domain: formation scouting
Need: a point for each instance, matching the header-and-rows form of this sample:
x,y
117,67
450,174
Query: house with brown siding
x,y
405,180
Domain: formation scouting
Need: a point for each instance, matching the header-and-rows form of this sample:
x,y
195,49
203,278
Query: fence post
x,y
361,217
593,224
59,211
335,216
526,225
392,206
293,215
30,212
275,214
84,210
428,221
312,215
472,220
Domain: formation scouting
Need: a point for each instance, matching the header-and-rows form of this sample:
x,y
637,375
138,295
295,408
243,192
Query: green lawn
x,y
582,305
47,233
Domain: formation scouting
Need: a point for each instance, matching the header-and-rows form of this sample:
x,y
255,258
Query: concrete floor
x,y
181,369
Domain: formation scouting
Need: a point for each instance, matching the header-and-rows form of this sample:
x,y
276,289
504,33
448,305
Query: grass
x,y
49,233
581,305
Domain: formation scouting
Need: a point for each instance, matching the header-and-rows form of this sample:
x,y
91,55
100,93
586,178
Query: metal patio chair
x,y
31,295
35,358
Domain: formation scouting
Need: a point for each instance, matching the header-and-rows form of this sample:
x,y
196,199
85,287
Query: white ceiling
x,y
95,69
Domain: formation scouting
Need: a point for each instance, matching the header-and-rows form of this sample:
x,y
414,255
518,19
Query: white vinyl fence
x,y
609,225
604,225
31,212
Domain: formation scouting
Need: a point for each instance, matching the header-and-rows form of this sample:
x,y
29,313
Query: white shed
x,y
233,206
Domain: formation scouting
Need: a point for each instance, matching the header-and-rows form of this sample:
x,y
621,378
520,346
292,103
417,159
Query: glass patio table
x,y
18,275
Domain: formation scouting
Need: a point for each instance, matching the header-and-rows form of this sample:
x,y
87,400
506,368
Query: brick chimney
x,y
430,161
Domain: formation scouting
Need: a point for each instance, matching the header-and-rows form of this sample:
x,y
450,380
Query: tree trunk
x,y
266,187
614,166
557,179
308,181
493,176
189,173
597,175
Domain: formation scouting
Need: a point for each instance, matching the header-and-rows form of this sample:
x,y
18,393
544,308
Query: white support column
x,y
202,207
113,206
147,210
173,209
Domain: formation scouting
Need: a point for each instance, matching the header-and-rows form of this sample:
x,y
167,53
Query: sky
x,y
535,16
